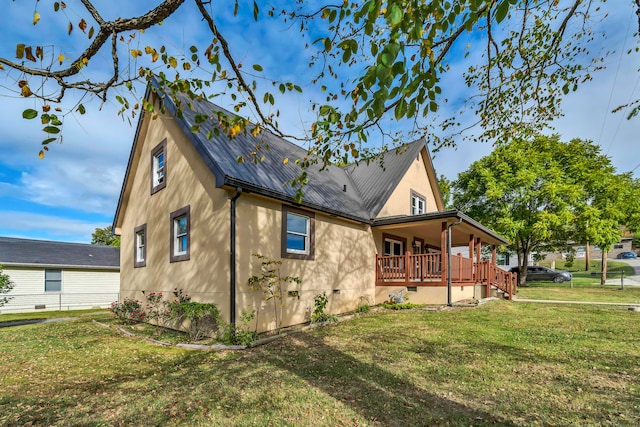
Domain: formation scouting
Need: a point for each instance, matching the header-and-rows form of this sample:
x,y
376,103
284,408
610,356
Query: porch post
x,y
478,249
494,257
407,267
443,252
471,248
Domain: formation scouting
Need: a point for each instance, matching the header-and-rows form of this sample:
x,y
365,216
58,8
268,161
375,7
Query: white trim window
x,y
298,228
52,280
180,234
297,233
158,168
418,204
140,249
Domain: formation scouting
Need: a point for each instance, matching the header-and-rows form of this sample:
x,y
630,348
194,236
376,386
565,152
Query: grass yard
x,y
585,285
499,363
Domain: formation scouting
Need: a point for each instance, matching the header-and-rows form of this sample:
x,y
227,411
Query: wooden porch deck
x,y
427,270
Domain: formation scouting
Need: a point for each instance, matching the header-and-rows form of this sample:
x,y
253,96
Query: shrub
x,y
5,286
203,318
128,311
320,303
240,334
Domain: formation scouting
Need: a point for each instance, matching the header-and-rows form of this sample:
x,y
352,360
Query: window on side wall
x,y
52,280
418,204
159,167
140,246
180,235
298,233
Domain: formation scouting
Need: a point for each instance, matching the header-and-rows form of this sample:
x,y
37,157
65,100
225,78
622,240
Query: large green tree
x,y
541,192
373,59
104,236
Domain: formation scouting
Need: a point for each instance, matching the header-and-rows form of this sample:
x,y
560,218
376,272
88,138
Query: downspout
x,y
232,260
449,303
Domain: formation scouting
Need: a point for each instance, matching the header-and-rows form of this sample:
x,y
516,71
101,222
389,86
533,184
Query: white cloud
x,y
33,225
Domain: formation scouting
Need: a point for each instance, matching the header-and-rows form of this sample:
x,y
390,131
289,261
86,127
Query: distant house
x,y
580,250
190,216
59,276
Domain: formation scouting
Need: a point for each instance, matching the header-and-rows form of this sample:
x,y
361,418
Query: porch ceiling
x,y
429,227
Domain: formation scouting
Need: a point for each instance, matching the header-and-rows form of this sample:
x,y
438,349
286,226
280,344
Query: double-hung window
x,y
159,167
298,229
140,246
418,204
180,234
52,280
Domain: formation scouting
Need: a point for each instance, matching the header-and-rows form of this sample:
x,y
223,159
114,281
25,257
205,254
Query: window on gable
x,y
159,167
52,280
140,249
180,235
298,230
418,204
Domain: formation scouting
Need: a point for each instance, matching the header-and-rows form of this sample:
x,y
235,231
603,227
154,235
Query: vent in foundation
x,y
293,294
336,291
412,289
40,307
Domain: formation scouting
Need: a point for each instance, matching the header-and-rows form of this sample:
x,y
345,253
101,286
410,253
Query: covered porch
x,y
441,249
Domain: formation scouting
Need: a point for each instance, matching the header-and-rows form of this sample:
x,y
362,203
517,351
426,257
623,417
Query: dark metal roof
x,y
330,190
27,252
377,179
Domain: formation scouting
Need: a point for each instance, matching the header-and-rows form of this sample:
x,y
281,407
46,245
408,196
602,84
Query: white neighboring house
x,y
51,275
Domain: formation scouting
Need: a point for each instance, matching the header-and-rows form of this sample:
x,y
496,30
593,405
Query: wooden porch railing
x,y
427,268
492,275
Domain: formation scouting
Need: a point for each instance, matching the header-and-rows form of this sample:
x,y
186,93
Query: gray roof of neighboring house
x,y
27,252
356,191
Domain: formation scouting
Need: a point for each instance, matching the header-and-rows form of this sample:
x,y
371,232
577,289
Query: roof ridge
x,y
55,242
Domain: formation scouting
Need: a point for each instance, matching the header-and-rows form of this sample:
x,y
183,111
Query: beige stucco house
x,y
190,216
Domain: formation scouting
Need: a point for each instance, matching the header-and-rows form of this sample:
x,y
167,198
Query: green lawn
x,y
499,363
585,285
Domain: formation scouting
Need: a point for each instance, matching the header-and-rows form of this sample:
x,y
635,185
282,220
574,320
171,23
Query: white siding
x,y
26,280
81,289
88,281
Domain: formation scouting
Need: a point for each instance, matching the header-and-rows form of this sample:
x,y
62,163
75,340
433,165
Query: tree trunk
x,y
587,257
603,277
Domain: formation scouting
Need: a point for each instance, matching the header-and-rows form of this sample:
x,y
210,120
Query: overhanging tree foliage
x,y
541,193
374,60
104,236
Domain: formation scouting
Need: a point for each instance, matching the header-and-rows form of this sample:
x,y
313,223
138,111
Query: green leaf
x,y
48,141
29,114
51,129
501,11
257,67
256,11
395,15
81,109
327,44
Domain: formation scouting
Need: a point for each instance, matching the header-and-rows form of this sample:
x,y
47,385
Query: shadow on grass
x,y
299,380
375,393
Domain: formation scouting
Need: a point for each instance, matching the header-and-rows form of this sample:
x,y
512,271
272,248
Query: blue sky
x,y
75,188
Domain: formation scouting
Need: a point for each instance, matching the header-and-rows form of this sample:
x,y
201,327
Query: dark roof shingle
x,y
15,251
